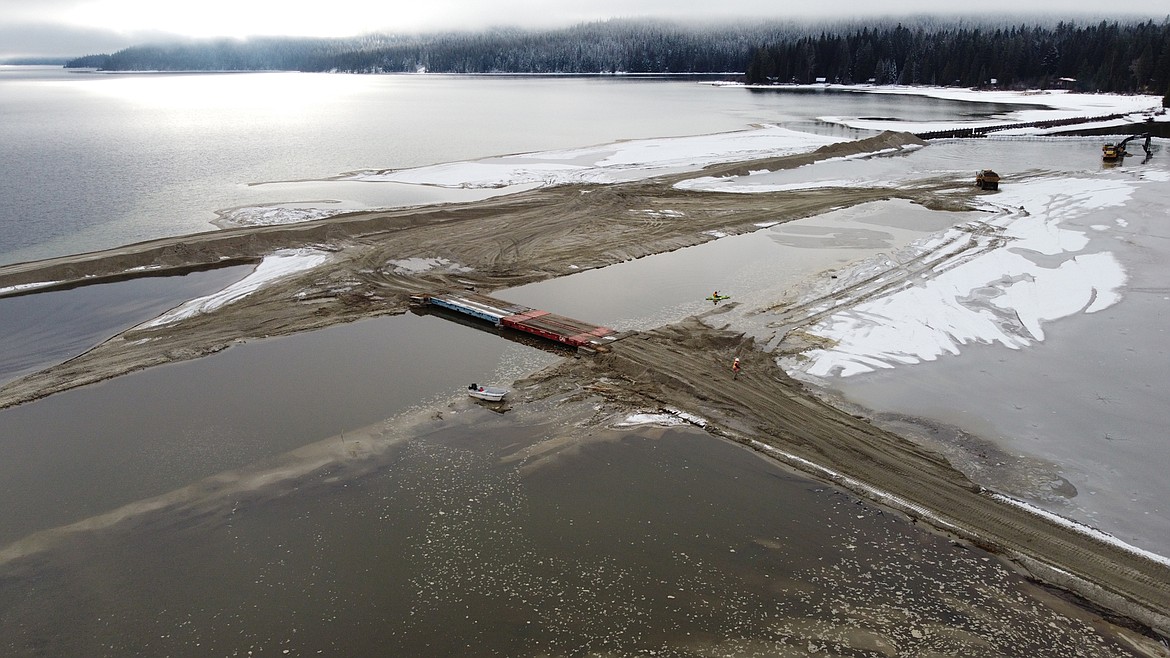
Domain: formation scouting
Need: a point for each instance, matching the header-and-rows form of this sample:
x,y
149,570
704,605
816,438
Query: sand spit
x,y
550,232
502,242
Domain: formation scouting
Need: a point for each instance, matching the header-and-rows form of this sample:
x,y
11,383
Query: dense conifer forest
x,y
1101,57
1108,56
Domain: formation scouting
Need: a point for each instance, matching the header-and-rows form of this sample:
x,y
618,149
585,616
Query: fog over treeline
x,y
1116,56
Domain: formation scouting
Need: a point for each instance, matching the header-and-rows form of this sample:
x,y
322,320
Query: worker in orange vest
x,y
735,368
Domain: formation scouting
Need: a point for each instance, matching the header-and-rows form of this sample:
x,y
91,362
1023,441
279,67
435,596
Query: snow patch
x,y
26,286
750,185
698,421
610,163
989,286
420,265
275,215
274,266
634,420
659,213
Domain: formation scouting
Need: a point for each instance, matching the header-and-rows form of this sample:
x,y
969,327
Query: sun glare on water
x,y
276,96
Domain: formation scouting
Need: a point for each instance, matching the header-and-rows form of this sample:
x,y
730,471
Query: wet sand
x,y
537,235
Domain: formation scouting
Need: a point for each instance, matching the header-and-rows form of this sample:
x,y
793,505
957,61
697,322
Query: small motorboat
x,y
488,393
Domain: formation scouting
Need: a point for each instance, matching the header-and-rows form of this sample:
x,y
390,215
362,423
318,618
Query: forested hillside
x,y
615,46
1101,57
1105,56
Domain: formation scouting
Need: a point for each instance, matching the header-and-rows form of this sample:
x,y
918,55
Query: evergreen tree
x,y
1104,56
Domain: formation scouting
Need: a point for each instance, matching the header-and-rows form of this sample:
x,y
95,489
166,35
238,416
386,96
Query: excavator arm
x,y
1146,145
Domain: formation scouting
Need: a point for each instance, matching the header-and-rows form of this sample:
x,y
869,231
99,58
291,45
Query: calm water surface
x,y
90,450
638,541
632,543
664,288
86,451
43,329
91,161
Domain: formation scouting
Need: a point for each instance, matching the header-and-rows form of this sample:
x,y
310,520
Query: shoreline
x,y
568,229
589,227
771,413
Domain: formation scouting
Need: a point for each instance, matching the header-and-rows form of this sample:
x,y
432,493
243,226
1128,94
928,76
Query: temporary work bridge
x,y
551,326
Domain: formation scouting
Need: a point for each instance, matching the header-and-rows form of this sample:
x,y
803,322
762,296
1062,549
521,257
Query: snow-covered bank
x,y
1082,528
1045,100
1048,104
274,266
608,163
278,214
611,163
997,282
644,158
1065,273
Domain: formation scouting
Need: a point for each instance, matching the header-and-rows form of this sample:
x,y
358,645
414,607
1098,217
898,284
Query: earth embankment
x,y
500,242
687,366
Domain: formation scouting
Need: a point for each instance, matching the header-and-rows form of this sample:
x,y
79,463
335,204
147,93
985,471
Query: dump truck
x,y
986,179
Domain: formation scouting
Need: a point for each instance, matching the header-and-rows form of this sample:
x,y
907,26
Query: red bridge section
x,y
550,326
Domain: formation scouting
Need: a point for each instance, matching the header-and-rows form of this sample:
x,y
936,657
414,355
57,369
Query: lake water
x,y
637,541
633,543
102,160
90,161
82,452
43,329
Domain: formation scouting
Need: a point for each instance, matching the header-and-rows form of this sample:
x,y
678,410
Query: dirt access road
x,y
688,367
538,235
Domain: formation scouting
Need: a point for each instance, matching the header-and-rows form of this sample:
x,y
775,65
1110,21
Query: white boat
x,y
489,393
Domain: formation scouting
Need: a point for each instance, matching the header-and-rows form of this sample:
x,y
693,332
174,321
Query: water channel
x,y
86,451
645,539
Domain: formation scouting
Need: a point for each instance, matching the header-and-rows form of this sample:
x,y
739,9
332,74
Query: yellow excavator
x,y
1116,152
986,179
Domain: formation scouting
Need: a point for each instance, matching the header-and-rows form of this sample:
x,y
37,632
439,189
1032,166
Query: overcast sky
x,y
80,27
